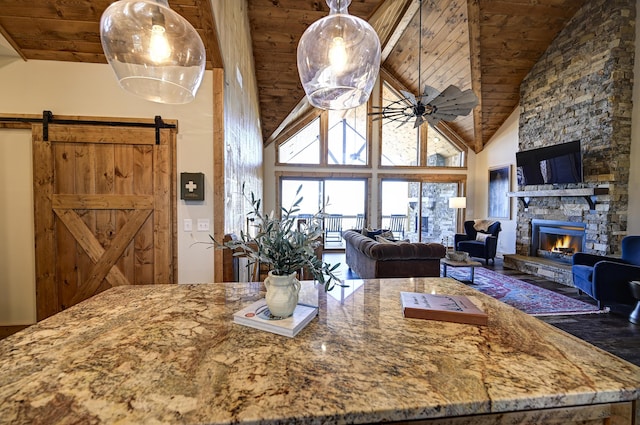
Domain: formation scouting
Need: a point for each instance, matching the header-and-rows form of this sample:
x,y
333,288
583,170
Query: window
x,y
348,136
412,200
402,145
330,138
343,200
303,147
441,152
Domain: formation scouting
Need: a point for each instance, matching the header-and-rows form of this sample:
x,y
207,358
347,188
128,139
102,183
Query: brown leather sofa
x,y
370,259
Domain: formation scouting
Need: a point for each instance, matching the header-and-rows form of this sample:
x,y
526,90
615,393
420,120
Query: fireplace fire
x,y
557,240
558,246
563,244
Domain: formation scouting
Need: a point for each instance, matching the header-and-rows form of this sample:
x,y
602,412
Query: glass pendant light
x,y
338,59
155,53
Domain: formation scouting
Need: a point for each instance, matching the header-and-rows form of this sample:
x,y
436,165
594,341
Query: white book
x,y
257,315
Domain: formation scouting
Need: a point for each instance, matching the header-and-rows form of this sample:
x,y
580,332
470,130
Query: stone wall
x,y
581,89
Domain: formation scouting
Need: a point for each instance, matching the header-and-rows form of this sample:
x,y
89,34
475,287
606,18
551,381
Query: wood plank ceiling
x,y
486,45
69,30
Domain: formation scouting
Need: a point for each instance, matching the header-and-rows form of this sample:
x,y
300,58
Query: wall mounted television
x,y
561,163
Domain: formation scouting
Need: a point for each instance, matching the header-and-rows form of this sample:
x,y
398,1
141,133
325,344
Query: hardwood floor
x,y
611,332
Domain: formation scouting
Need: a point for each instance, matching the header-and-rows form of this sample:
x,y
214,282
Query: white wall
x,y
85,90
17,256
499,151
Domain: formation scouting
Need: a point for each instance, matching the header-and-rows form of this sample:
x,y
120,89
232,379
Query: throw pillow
x,y
387,234
380,239
372,233
482,236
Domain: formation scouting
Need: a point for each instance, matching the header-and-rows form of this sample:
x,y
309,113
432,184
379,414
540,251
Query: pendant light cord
x,y
420,49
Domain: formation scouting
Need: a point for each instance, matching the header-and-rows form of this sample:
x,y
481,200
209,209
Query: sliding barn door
x,y
104,211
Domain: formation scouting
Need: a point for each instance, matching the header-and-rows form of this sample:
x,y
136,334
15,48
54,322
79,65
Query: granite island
x,y
172,354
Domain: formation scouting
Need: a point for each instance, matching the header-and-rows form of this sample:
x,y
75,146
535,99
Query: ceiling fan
x,y
431,106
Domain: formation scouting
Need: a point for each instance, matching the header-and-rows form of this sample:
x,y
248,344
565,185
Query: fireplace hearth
x,y
556,240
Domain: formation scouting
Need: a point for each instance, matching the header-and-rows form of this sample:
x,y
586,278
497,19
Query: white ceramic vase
x,y
282,294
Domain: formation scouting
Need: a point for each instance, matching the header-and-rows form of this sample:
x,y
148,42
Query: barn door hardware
x,y
48,118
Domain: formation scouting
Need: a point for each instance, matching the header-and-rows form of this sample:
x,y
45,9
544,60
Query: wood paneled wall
x,y
241,154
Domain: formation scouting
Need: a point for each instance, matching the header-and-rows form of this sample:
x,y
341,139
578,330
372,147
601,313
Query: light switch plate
x,y
203,225
188,225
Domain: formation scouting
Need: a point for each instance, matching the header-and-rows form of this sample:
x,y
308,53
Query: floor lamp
x,y
459,203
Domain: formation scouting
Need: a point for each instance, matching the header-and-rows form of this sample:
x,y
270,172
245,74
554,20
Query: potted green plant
x,y
286,248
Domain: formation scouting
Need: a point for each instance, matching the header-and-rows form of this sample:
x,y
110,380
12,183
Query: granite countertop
x,y
172,354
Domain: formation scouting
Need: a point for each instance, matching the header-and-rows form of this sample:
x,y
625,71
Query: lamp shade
x,y
338,59
458,202
155,53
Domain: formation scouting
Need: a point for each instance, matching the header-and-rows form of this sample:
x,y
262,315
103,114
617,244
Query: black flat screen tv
x,y
555,164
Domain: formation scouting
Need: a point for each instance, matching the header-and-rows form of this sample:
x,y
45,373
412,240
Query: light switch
x,y
203,225
188,225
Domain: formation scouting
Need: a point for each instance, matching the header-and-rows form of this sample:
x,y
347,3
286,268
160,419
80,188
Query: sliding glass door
x,y
396,208
343,200
311,192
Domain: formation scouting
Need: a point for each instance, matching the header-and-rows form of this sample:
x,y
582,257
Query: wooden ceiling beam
x,y
390,20
65,56
209,35
12,42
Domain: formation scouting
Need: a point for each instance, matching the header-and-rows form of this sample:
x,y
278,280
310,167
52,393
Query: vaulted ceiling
x,y
486,45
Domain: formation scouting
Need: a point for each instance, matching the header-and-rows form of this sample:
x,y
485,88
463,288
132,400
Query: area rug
x,y
522,295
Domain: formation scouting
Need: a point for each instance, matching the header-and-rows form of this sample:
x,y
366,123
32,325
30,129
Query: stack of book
x,y
257,315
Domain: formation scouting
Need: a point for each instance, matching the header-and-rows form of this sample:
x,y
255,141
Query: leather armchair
x,y
606,279
471,243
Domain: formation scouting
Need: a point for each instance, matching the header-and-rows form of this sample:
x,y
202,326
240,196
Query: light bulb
x,y
159,49
338,54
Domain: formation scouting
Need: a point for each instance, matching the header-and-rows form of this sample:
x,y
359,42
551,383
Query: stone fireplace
x,y
580,89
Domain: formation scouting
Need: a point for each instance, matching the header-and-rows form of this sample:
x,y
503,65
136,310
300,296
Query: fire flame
x,y
562,242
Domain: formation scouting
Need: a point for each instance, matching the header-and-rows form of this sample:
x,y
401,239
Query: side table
x,y
458,264
634,317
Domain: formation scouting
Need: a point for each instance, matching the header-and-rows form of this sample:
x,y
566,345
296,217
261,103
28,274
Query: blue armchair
x,y
606,279
478,243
